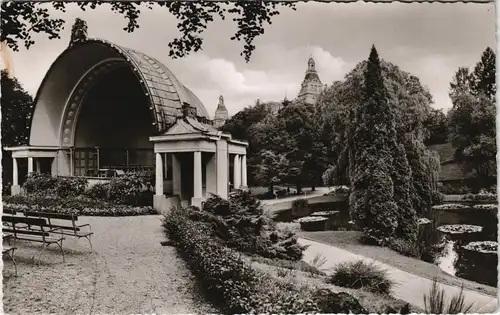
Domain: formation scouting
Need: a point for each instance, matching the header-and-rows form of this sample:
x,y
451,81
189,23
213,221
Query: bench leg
x,y
43,251
13,260
88,239
61,248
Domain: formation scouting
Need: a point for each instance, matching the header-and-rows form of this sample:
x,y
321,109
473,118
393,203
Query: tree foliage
x,y
373,137
17,108
472,118
20,20
437,127
78,32
367,149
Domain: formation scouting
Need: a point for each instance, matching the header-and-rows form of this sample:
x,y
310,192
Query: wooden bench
x,y
39,231
9,250
69,230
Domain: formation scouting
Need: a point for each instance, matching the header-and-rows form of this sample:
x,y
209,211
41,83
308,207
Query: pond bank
x,y
348,240
409,287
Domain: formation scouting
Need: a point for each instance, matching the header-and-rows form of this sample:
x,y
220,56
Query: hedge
x,y
233,285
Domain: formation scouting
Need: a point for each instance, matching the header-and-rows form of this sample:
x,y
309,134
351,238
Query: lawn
x,y
349,240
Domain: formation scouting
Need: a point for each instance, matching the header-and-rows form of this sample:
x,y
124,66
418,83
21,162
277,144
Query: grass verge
x,y
349,240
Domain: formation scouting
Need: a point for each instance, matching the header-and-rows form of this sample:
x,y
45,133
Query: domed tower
x,y
311,86
221,115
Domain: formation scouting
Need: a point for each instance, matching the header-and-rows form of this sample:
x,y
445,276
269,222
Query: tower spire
x,y
221,114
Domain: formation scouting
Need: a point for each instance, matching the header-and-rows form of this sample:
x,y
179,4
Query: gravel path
x,y
127,272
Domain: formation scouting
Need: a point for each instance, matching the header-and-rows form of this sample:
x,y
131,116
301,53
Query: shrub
x,y
240,223
481,196
6,187
98,191
404,247
435,301
454,189
300,207
126,189
437,197
70,186
37,183
361,275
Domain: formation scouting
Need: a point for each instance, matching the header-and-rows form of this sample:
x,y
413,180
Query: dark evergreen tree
x,y
78,32
17,108
373,139
483,77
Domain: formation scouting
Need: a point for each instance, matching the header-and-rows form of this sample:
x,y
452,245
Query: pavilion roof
x,y
189,125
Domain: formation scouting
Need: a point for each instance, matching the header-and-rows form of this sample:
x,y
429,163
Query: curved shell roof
x,y
66,81
166,92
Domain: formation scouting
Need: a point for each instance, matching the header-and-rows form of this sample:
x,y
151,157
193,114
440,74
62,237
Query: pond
x,y
456,233
466,242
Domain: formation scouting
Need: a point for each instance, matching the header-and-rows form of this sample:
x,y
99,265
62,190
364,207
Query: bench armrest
x,y
79,226
55,229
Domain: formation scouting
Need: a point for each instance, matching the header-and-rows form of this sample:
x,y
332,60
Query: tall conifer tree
x,y
374,139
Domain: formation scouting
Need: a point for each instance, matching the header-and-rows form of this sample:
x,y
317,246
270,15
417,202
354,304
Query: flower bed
x,y
451,206
324,213
487,247
74,205
313,223
460,228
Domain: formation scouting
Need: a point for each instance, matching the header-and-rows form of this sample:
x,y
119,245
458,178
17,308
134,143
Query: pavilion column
x,y
222,171
30,165
38,168
197,178
244,170
176,176
15,189
237,172
15,176
159,175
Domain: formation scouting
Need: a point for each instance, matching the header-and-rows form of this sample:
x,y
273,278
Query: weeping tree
x,y
412,168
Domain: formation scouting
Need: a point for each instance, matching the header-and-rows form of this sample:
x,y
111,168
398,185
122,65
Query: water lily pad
x,y
324,213
489,247
311,219
422,221
460,228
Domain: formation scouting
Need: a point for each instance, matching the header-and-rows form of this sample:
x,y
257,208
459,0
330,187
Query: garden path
x,y
409,287
127,272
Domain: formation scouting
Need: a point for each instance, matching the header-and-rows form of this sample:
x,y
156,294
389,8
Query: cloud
x,y
268,78
428,40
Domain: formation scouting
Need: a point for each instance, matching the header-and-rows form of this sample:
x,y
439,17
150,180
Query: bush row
x,y
130,189
233,285
75,205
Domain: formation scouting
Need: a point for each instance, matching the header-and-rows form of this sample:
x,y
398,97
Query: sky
x,y
428,40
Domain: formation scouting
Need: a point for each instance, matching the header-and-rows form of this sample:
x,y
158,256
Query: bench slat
x,y
9,211
33,239
26,232
50,215
30,221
